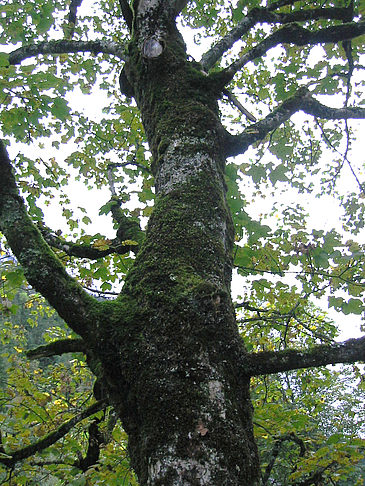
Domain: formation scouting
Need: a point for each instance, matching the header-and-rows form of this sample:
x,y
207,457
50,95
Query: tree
x,y
166,351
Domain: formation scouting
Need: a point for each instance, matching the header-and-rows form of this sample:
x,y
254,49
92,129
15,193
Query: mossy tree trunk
x,y
167,351
188,411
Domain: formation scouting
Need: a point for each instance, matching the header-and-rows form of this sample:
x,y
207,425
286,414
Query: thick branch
x,y
42,268
66,46
297,35
264,15
302,100
50,439
56,348
238,144
270,362
313,107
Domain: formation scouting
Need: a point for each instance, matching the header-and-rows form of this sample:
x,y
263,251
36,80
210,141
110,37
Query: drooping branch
x,y
301,101
299,36
13,457
64,47
57,348
42,268
270,362
265,15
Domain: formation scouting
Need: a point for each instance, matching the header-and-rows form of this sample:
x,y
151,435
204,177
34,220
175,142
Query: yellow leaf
x,y
129,242
102,244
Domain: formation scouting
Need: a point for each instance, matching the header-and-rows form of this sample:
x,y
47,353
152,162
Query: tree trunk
x,y
179,387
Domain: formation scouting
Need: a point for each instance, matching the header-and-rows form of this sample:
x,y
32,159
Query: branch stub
x,y
152,48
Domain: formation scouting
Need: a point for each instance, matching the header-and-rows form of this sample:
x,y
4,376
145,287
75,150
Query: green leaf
x,y
59,109
320,257
278,174
257,173
4,59
353,306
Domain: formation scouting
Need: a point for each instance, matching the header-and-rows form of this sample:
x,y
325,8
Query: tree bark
x,y
178,385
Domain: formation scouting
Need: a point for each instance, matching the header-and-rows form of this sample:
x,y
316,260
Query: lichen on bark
x,y
188,411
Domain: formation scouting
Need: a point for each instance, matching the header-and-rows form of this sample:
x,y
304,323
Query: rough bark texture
x,y
167,351
188,412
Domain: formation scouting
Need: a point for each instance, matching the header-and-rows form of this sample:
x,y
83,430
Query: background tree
x,y
167,352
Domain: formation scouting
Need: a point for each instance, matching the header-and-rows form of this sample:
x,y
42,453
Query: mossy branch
x,y
266,15
300,101
57,348
66,47
128,228
295,34
270,362
9,459
43,270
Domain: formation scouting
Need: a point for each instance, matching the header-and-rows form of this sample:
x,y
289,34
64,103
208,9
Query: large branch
x,y
302,100
13,457
313,107
238,144
42,268
64,47
264,15
57,348
297,35
270,362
